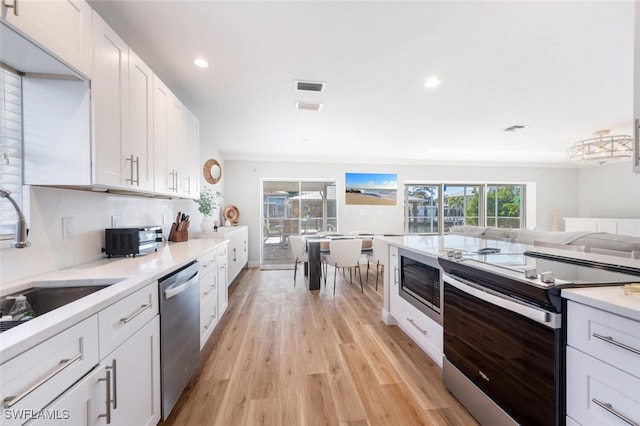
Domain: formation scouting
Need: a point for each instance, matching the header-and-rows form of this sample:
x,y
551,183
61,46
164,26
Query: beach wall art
x,y
380,189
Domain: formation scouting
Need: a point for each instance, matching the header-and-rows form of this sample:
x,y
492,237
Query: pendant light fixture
x,y
601,148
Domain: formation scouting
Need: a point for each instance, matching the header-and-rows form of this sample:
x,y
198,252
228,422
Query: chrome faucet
x,y
21,226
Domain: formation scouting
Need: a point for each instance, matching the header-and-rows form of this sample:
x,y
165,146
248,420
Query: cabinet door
x,y
175,146
191,187
109,89
62,27
395,306
85,404
139,156
136,377
161,95
168,140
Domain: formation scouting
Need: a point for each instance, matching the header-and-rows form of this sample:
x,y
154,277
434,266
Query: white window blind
x,y
11,148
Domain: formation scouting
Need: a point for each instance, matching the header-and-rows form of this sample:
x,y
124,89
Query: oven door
x,y
507,349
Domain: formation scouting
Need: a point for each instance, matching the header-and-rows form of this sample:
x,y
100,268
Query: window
x,y
294,207
11,146
504,206
421,208
462,204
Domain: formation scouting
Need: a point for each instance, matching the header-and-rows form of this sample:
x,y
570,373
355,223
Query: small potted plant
x,y
207,204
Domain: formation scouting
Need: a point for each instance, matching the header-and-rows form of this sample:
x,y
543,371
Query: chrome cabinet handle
x,y
234,254
607,406
213,317
610,340
416,326
115,383
138,311
176,183
10,401
395,275
108,399
135,181
13,6
636,146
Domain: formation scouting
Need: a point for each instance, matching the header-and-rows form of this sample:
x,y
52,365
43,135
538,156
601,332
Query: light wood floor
x,y
288,356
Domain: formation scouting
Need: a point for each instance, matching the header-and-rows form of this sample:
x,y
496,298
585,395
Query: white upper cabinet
x,y
139,155
61,27
109,99
176,144
191,181
162,96
122,99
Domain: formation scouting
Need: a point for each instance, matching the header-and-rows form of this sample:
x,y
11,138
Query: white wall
x,y
609,190
555,189
91,213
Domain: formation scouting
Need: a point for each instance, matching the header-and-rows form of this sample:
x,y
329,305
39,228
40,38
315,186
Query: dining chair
x,y
299,253
344,254
377,251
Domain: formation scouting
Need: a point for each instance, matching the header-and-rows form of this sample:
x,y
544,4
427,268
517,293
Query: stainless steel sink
x,y
45,296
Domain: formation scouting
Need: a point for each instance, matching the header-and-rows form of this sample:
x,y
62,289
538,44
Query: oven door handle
x,y
548,319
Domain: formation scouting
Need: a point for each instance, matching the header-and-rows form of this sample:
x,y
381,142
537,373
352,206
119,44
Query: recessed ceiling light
x,y
431,82
306,141
201,62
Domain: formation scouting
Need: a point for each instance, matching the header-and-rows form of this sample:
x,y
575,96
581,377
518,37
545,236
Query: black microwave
x,y
421,283
132,241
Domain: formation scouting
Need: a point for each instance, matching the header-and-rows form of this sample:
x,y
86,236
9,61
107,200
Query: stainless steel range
x,y
504,333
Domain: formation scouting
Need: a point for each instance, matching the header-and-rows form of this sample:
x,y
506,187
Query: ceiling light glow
x,y
201,62
431,82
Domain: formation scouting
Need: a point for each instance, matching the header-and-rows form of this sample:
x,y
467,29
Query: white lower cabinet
x,y
223,279
427,333
208,295
84,404
213,290
135,365
32,380
602,367
104,370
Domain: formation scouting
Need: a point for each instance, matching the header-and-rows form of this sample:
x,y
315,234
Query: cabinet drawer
x,y
122,319
606,336
590,380
209,283
424,331
222,254
38,376
208,262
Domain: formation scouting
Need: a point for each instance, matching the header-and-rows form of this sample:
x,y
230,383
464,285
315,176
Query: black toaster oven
x,y
132,241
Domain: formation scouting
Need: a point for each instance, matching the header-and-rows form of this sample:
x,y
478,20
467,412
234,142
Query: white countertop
x,y
611,299
134,272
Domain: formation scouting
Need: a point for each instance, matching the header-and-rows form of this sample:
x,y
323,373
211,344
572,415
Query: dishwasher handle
x,y
179,287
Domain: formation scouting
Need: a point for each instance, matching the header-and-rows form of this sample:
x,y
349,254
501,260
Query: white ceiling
x,y
563,69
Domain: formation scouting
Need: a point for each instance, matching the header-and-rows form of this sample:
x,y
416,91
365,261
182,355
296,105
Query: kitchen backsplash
x,y
90,214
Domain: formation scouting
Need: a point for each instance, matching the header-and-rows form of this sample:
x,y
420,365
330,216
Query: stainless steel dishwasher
x,y
179,332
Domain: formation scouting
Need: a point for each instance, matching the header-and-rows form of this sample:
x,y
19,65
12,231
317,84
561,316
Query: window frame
x,y
483,207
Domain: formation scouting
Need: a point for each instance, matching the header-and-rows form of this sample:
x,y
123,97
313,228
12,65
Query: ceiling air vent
x,y
310,86
308,106
514,128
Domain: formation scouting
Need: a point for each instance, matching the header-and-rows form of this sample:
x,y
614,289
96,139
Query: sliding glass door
x,y
294,207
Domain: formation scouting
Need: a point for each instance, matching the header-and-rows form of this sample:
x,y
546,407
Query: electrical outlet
x,y
67,227
114,221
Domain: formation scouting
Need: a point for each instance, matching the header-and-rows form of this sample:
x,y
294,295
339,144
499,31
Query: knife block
x,y
178,236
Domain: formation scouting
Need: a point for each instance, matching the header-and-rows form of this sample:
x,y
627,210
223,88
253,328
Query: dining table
x,y
314,245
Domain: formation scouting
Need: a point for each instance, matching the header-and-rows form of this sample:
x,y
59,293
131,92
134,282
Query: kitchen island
x,y
494,311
